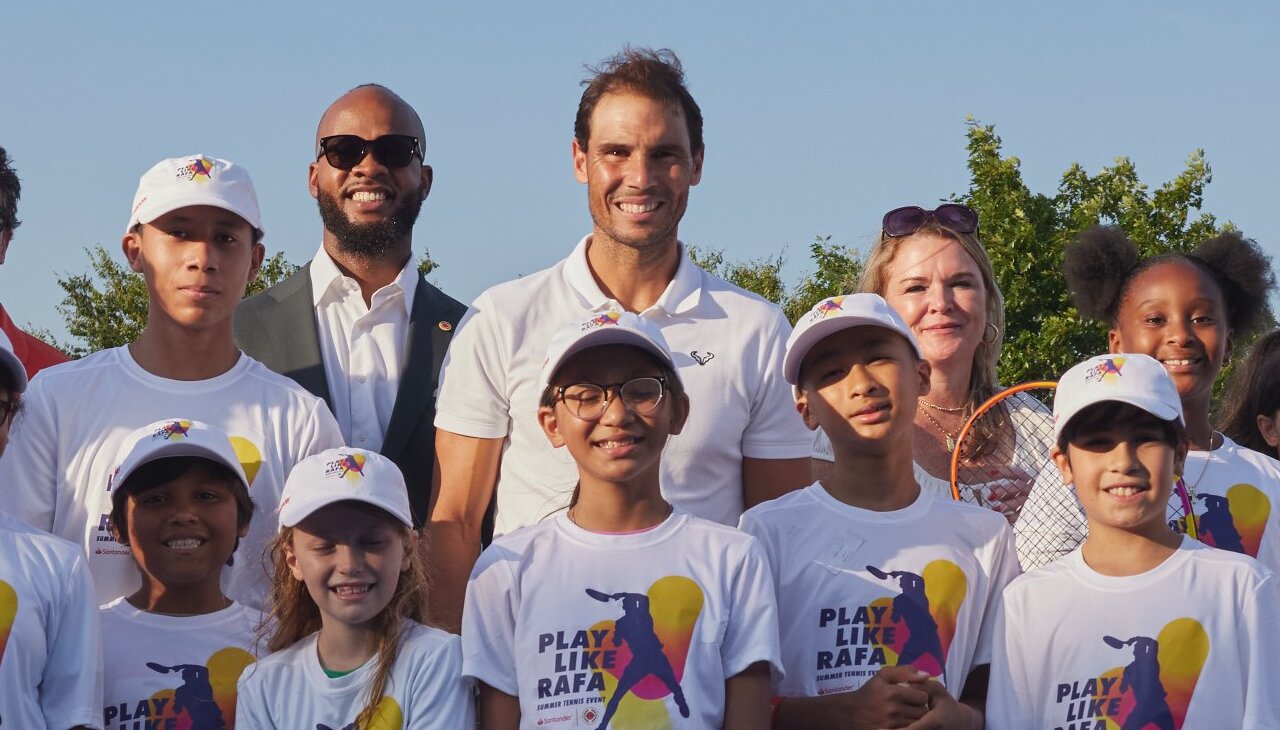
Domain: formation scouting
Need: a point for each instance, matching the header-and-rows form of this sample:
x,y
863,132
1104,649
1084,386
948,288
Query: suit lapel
x,y
421,371
299,343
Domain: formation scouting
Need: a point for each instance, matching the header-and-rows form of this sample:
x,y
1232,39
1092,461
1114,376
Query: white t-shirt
x,y
180,669
944,564
1192,643
50,652
77,416
1236,502
727,344
362,346
559,617
289,690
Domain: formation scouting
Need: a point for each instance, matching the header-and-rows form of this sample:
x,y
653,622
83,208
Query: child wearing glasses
x,y
194,234
1139,627
887,592
620,610
50,653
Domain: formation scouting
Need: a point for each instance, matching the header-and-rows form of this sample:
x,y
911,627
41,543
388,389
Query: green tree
x,y
107,306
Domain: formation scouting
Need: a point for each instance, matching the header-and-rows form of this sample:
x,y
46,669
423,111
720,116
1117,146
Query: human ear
x,y
695,175
802,407
923,371
428,176
131,245
550,423
291,560
579,162
1063,463
117,534
313,172
1114,342
680,414
1267,427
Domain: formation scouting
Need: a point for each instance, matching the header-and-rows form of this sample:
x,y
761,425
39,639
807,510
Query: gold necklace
x,y
944,409
951,437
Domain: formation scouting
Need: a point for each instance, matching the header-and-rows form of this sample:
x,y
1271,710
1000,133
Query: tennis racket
x,y
1001,461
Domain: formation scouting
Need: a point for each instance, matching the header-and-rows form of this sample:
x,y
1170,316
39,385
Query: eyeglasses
x,y
905,221
589,401
345,151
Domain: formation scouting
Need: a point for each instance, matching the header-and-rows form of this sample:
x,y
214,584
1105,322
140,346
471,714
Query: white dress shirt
x,y
363,347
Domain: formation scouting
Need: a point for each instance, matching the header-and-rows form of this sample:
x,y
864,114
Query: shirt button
x,y
360,378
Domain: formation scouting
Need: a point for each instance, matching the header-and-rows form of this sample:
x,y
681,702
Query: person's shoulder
x,y
742,301
280,386
439,303
422,640
510,295
714,534
1232,451
56,550
286,659
55,377
781,507
512,546
1223,563
982,520
268,298
1042,579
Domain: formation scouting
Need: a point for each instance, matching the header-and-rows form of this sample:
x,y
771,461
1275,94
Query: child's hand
x,y
944,712
894,698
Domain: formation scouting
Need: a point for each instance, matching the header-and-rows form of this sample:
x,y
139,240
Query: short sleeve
x,y
325,433
1008,697
1003,568
1261,644
473,399
752,633
251,701
442,696
71,689
489,623
775,430
30,474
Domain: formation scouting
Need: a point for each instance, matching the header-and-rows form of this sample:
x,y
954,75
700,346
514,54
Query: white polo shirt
x,y
727,343
362,346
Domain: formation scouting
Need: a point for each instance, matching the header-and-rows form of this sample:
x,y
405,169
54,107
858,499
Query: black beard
x,y
369,240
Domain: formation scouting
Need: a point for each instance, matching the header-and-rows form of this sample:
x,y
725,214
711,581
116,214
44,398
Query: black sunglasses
x,y
907,220
345,151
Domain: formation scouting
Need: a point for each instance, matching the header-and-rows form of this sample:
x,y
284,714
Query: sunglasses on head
x,y
907,220
345,151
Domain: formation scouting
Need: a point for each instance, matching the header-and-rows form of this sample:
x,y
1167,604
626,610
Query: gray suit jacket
x,y
278,327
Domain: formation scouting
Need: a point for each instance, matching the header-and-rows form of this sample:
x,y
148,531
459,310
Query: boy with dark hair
x,y
1149,627
180,503
886,593
194,234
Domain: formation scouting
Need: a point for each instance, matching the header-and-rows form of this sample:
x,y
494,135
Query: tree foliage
x,y
1025,233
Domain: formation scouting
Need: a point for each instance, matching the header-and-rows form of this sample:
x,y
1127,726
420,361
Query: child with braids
x,y
1251,412
1185,310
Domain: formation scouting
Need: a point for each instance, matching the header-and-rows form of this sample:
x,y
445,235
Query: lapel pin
x,y
445,326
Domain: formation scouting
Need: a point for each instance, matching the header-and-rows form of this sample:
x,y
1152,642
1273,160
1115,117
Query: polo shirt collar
x,y
326,276
682,294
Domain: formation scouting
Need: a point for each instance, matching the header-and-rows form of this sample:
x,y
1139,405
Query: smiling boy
x,y
1148,627
194,234
180,503
882,588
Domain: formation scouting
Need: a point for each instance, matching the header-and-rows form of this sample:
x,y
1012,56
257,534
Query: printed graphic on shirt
x,y
1235,521
204,697
629,663
387,716
247,452
8,613
912,625
1152,689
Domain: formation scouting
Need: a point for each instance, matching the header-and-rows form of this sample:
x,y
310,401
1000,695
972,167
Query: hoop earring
x,y
995,334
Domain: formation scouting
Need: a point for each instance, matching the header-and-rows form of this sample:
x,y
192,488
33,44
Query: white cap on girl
x,y
9,361
1139,380
340,475
606,328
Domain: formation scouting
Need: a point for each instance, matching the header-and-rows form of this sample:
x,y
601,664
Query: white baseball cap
x,y
1139,380
9,361
340,475
174,437
833,314
606,328
194,180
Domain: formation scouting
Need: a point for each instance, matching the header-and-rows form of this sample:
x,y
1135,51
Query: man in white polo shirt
x,y
638,147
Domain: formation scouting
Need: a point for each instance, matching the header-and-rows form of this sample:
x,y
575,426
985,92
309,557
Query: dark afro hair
x,y
1103,263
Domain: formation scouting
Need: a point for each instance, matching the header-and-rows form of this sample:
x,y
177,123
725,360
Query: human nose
x,y
368,164
615,410
202,254
1124,458
859,382
939,298
350,560
1178,331
637,172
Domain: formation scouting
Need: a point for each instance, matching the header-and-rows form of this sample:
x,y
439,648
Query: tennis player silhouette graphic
x,y
635,628
195,696
1217,524
1142,677
912,608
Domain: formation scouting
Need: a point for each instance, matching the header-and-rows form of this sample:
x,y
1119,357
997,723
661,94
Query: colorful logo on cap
x,y
602,320
826,308
199,170
1105,371
172,431
348,466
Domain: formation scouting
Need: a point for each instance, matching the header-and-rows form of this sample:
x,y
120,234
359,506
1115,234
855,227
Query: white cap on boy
x,y
175,437
1139,380
194,180
340,475
9,361
605,328
837,313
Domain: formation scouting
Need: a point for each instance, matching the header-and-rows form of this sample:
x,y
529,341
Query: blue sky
x,y
819,116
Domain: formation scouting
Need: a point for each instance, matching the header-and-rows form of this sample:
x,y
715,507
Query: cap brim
x,y
297,511
798,348
1154,406
175,450
186,201
611,335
